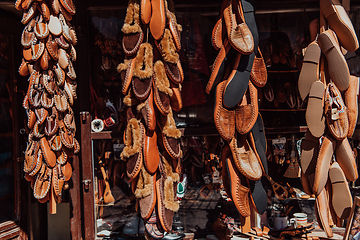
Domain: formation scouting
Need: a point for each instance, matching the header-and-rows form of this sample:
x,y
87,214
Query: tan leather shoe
x,y
175,99
170,135
126,70
52,48
43,182
323,164
336,112
244,157
161,87
258,75
224,118
315,118
148,112
351,104
151,152
145,11
158,19
322,213
49,155
346,159
174,28
146,193
69,6
309,153
55,26
28,36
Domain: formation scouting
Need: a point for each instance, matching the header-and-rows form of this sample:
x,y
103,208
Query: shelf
x,y
283,71
106,135
282,130
8,134
282,110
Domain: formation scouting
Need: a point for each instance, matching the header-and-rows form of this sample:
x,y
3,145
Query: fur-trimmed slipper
x,y
126,71
224,118
49,155
132,152
162,90
146,193
315,117
258,75
143,72
170,136
174,28
153,227
337,66
310,69
239,34
245,159
340,22
336,113
258,133
223,59
175,99
172,63
341,197
147,110
238,81
239,192
247,111
322,212
323,164
166,193
145,11
133,34
346,159
351,104
309,153
158,18
151,152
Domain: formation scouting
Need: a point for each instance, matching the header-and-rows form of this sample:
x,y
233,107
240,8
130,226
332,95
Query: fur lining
x,y
179,28
169,127
133,139
130,100
169,194
161,80
123,66
169,171
140,106
132,19
144,62
168,48
143,186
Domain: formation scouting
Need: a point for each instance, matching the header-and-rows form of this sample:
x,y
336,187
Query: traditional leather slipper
x,y
66,135
68,93
322,212
49,155
151,152
45,11
290,95
172,63
153,227
269,92
170,136
323,164
223,59
258,197
63,59
126,70
37,50
239,192
224,119
52,48
26,4
217,34
238,81
166,192
143,71
66,14
258,74
31,119
18,5
341,197
340,22
38,165
249,17
41,29
175,99
58,181
174,28
23,68
67,171
69,6
158,19
55,26
337,66
335,111
239,34
51,125
162,90
346,159
28,14
61,102
307,187
73,36
43,182
31,155
145,11
28,36
60,75
41,114
148,112
146,193
55,144
132,152
351,104
44,61
247,111
310,69
61,41
244,157
38,130
133,34
258,134
66,29
315,118
309,153
55,5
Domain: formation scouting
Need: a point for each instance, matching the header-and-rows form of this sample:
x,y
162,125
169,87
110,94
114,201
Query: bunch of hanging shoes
x,y
48,52
324,79
151,80
236,73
